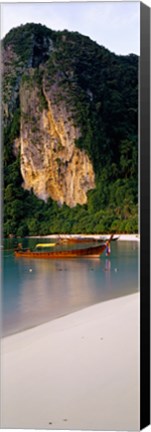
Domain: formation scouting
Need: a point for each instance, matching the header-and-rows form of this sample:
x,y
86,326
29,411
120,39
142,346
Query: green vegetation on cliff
x,y
102,89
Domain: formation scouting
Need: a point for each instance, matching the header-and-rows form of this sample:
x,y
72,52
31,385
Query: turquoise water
x,y
36,291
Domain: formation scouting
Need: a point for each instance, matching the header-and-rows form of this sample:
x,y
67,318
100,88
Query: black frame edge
x,y
144,216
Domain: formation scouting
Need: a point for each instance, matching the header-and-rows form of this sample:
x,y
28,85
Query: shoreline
x,y
121,237
59,374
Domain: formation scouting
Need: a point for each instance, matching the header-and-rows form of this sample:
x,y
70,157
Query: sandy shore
x,y
121,237
79,372
129,237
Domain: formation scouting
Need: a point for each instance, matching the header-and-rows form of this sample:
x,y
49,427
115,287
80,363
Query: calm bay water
x,y
36,291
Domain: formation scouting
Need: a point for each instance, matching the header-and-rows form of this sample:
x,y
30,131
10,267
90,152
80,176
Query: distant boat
x,y
88,252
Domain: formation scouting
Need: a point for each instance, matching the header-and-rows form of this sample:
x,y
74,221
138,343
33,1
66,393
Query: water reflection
x,y
35,291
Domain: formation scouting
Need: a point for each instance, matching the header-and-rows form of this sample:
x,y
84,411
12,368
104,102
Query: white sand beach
x,y
80,371
121,237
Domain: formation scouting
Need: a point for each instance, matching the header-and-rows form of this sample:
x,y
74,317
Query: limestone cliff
x,y
70,129
51,165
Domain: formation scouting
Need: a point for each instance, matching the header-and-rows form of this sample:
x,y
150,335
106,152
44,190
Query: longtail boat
x,y
79,240
88,252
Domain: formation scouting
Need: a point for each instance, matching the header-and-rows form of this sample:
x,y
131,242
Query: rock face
x,y
69,110
51,165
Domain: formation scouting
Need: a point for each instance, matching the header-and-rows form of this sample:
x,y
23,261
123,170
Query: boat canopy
x,y
45,245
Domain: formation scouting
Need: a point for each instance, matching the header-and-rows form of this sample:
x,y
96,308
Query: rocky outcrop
x,y
51,164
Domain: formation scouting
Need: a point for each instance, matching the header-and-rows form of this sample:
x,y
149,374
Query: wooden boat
x,y
88,252
78,240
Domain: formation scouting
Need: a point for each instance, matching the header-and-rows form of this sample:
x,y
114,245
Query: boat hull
x,y
93,252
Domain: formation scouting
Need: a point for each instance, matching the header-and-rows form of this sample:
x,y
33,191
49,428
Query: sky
x,y
114,25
